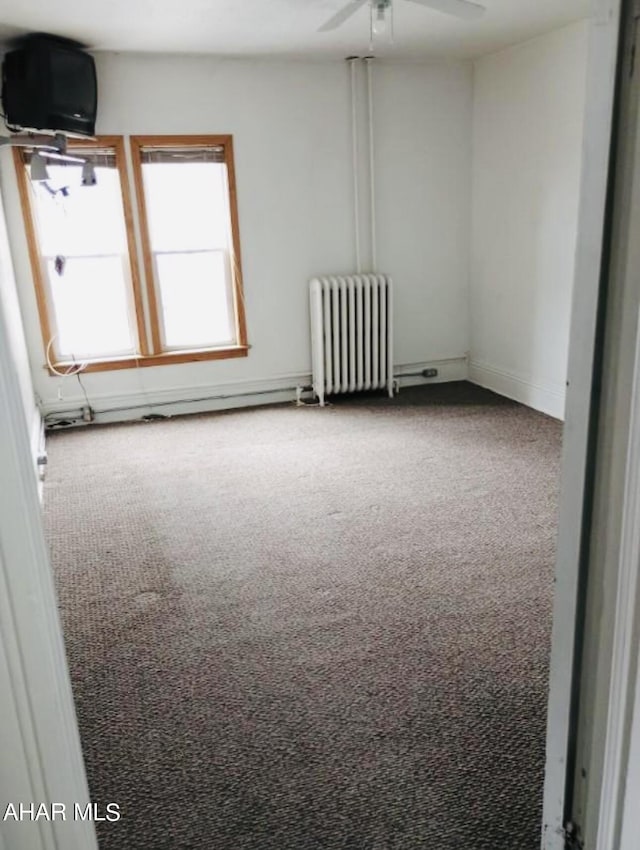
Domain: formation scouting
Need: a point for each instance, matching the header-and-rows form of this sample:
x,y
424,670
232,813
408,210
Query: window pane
x,y
187,205
195,299
87,221
82,239
91,308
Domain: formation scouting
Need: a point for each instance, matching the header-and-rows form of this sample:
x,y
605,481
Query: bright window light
x,y
83,245
190,238
96,309
195,297
90,307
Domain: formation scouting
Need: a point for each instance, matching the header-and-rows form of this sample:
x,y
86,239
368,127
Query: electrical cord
x,y
84,390
76,368
70,371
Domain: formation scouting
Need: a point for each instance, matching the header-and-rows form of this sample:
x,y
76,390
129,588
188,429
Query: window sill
x,y
169,358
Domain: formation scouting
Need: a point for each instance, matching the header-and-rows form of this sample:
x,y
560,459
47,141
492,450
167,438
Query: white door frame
x,y
41,758
613,790
630,823
601,75
618,818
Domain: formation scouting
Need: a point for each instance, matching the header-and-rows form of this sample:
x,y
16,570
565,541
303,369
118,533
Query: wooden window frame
x,y
39,276
151,353
240,349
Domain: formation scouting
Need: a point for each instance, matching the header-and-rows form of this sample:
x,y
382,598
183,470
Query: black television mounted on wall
x,y
49,83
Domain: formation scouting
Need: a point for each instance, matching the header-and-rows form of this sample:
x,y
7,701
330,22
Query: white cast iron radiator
x,y
351,334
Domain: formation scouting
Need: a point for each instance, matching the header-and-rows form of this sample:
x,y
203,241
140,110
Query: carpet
x,y
312,629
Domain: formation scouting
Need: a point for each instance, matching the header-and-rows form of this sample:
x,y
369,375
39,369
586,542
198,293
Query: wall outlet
x,y
429,373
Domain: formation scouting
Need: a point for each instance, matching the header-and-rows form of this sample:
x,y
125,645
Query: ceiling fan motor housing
x,y
465,9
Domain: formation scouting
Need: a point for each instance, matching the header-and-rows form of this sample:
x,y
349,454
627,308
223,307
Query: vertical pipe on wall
x,y
372,176
354,150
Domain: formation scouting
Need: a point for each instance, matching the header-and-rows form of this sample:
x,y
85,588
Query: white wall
x,y
423,155
527,137
10,309
291,128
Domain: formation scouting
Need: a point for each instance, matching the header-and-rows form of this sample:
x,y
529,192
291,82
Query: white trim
x,y
34,687
174,401
548,398
622,656
631,810
180,399
449,369
619,610
601,71
36,439
35,434
38,449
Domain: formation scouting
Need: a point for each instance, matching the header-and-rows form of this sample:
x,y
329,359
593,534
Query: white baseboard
x,y
449,369
35,434
179,400
37,446
547,398
202,398
175,401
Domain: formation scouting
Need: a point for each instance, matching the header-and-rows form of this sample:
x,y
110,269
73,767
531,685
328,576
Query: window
x,y
190,243
83,253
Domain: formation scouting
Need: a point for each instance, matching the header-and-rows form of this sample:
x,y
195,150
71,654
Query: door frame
x,y
578,435
608,723
42,759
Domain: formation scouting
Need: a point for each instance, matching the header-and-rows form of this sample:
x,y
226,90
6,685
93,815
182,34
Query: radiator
x,y
351,334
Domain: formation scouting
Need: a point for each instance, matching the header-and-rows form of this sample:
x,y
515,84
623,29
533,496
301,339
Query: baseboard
x,y
179,400
203,398
35,434
449,369
546,398
37,446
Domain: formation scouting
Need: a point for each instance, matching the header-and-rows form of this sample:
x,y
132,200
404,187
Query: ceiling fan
x,y
464,9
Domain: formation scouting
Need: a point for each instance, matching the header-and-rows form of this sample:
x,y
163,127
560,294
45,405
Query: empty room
x,y
288,290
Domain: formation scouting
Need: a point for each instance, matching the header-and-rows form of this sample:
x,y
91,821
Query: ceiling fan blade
x,y
343,15
458,8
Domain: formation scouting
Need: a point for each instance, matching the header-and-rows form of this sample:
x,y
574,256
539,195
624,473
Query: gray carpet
x,y
305,629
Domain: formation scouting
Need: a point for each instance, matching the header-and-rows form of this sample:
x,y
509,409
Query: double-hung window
x,y
94,309
81,253
190,241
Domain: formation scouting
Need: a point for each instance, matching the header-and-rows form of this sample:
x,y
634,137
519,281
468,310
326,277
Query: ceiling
x,y
282,27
